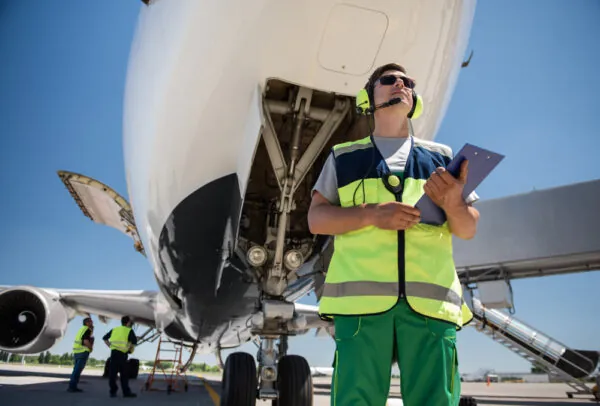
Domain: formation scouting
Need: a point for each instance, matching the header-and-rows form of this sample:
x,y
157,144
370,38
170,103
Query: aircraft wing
x,y
34,319
113,304
106,304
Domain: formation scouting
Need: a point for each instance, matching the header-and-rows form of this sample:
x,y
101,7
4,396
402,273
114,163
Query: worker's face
x,y
392,84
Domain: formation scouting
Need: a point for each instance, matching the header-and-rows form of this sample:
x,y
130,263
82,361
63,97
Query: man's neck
x,y
389,126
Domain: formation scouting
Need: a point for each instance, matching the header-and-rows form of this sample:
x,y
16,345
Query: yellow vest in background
x,y
119,339
78,346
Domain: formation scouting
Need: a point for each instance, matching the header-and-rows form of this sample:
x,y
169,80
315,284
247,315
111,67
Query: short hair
x,y
125,320
86,320
370,85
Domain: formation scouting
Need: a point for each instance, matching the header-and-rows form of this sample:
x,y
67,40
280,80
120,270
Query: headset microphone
x,y
389,103
363,104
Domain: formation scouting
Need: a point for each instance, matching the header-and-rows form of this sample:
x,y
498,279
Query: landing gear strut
x,y
284,379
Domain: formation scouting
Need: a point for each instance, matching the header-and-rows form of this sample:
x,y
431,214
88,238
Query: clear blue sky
x,y
530,93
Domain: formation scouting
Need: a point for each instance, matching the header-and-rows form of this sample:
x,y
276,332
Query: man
x,y
391,287
82,347
121,341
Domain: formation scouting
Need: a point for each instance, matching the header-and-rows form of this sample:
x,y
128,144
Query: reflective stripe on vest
x,y
78,346
420,289
119,339
367,264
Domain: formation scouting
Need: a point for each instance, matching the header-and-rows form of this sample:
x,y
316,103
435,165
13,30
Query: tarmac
x,y
25,385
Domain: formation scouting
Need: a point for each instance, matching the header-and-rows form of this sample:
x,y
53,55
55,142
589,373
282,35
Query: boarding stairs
x,y
560,362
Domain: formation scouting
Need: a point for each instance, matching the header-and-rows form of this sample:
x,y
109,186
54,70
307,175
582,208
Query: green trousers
x,y
366,347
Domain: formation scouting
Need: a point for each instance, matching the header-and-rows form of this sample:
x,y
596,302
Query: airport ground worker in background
x,y
82,346
391,287
121,341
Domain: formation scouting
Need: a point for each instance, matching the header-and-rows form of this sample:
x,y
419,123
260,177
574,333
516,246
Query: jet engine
x,y
31,320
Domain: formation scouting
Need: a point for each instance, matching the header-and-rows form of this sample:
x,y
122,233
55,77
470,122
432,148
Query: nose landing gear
x,y
287,381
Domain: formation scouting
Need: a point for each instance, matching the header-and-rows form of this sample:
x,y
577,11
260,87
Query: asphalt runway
x,y
25,385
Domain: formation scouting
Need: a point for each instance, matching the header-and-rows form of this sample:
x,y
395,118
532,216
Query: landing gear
x,y
467,401
294,382
267,368
277,251
285,379
239,384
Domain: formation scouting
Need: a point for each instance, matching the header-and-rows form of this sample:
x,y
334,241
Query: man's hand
x,y
394,216
444,189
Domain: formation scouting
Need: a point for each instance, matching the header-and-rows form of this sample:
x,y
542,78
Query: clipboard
x,y
481,163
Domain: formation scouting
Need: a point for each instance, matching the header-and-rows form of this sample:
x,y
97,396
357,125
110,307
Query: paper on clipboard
x,y
481,163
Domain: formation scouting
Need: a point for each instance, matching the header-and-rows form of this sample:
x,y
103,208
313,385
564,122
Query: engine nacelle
x,y
31,320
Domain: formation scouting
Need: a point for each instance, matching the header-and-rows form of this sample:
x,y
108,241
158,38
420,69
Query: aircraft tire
x,y
239,384
467,401
294,382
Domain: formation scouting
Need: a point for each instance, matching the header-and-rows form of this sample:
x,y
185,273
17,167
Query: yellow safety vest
x,y
372,268
78,346
119,339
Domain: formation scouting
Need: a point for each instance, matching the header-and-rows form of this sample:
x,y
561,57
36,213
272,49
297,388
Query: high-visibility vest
x,y
78,346
119,339
372,268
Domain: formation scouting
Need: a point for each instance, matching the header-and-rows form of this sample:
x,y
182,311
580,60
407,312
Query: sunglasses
x,y
389,80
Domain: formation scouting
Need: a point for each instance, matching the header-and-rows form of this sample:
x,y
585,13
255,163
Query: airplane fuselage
x,y
199,177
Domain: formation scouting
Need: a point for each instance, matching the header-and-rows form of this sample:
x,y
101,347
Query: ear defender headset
x,y
364,103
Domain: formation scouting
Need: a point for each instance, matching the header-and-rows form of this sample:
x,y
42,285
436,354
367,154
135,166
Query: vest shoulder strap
x,y
434,147
350,146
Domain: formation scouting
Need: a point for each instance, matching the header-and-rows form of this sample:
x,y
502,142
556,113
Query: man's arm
x,y
325,216
462,220
106,337
85,340
327,219
133,340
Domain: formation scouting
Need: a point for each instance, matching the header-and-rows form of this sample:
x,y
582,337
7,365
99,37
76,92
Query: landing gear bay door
x,y
102,205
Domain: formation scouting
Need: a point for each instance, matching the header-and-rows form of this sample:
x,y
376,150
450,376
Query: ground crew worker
x,y
121,341
82,346
391,287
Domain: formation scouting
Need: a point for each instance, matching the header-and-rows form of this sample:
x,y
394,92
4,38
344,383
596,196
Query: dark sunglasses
x,y
389,80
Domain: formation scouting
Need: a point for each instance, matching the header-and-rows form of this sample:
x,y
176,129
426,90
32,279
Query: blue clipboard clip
x,y
481,163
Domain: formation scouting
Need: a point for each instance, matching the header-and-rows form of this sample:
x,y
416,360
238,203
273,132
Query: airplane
x,y
231,108
321,371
